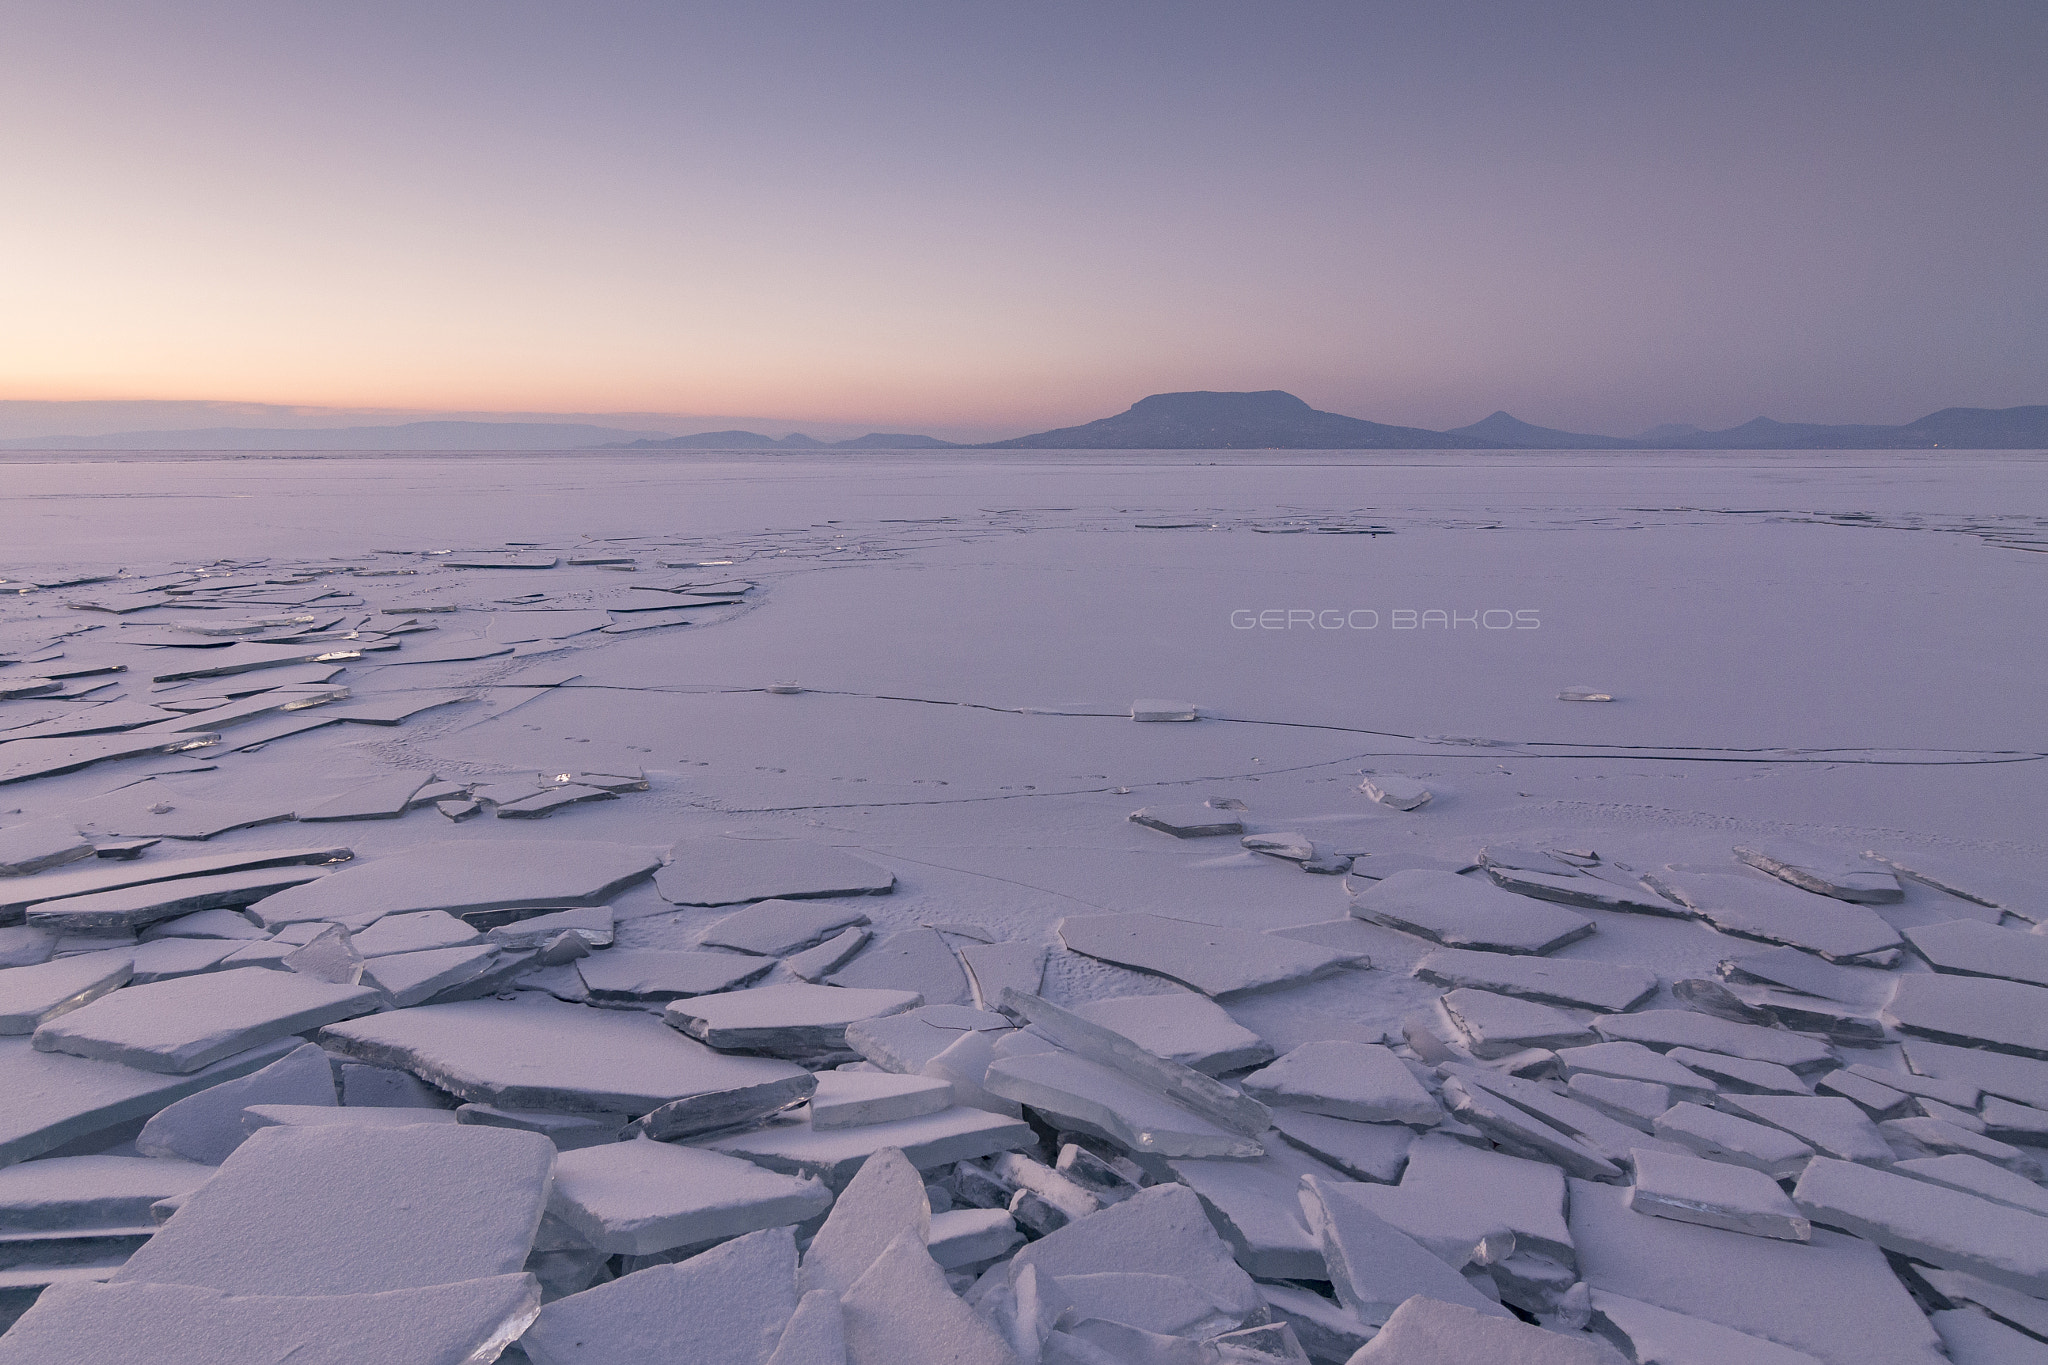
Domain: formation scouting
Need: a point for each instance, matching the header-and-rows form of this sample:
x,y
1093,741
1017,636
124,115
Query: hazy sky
x,y
983,218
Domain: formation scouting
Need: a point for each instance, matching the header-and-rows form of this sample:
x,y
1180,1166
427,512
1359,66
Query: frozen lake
x,y
930,662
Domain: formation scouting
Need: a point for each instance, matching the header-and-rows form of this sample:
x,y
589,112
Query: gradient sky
x,y
977,218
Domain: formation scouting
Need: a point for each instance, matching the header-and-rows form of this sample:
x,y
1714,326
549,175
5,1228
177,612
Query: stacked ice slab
x,y
424,1106
328,1242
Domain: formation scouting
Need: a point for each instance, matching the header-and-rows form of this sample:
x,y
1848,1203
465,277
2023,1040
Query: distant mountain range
x,y
1275,420
1266,420
1270,420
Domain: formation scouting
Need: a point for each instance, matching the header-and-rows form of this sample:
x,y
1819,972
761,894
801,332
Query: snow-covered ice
x,y
1614,1042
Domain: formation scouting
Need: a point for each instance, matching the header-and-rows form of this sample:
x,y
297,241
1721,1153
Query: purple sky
x,y
978,219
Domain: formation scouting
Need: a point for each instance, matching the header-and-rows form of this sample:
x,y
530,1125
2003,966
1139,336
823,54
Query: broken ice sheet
x,y
166,958
1930,1223
854,1099
457,877
391,710
1098,1099
314,1210
1978,885
963,1237
993,968
801,1022
1834,1297
538,1054
1610,987
1738,1141
328,956
905,1043
31,758
1970,948
964,1066
715,1111
1182,1027
218,923
641,1197
1254,1205
39,845
1634,1062
1838,1023
1186,1087
23,945
569,1132
1829,1124
1216,960
1392,789
1753,907
777,928
1468,1204
1996,1073
55,1098
732,1302
1650,1333
1364,1151
1494,1026
1793,970
628,975
1188,821
1585,892
132,907
594,924
1520,1132
70,1219
1161,709
416,931
791,1145
816,964
1593,1130
207,1127
1975,1011
916,960
1667,1029
730,871
1359,1081
1740,1075
408,979
29,996
387,798
1461,913
1715,1194
555,798
258,1116
519,627
1374,1266
451,650
2028,1314
245,657
186,1024
1840,876
884,1199
1877,1100
172,1324
901,1311
1928,1137
1164,1229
